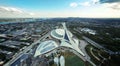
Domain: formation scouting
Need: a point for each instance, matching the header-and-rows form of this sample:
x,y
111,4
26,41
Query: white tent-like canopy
x,y
66,39
45,47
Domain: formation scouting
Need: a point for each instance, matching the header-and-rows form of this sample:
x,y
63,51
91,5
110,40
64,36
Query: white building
x,y
66,38
45,47
87,30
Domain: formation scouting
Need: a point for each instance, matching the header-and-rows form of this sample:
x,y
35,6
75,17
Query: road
x,y
25,50
96,45
82,46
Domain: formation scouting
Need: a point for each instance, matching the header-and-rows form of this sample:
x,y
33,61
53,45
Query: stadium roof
x,y
45,47
58,33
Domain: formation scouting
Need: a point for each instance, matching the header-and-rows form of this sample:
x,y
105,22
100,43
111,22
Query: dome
x,y
58,33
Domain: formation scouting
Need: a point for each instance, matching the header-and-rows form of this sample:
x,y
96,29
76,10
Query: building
x,y
66,40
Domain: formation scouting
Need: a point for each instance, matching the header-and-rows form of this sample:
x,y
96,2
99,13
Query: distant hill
x,y
15,19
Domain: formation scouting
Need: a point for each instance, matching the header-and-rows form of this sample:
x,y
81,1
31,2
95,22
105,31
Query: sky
x,y
59,8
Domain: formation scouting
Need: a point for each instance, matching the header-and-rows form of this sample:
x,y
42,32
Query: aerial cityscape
x,y
59,32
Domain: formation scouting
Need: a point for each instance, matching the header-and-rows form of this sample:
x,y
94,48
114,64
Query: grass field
x,y
72,60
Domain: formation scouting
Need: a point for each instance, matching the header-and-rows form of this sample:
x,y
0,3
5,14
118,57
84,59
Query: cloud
x,y
115,6
95,1
74,4
32,13
89,3
108,1
14,12
85,4
10,9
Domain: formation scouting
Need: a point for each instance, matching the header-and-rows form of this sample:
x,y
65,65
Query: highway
x,y
82,46
94,43
25,50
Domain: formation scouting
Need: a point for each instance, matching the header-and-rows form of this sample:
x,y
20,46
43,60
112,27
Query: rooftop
x,y
45,47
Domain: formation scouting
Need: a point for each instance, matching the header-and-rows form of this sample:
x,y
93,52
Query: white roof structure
x,y
67,39
45,47
62,61
58,33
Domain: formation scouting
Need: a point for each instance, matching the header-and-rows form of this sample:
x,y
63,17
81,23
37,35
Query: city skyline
x,y
60,8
